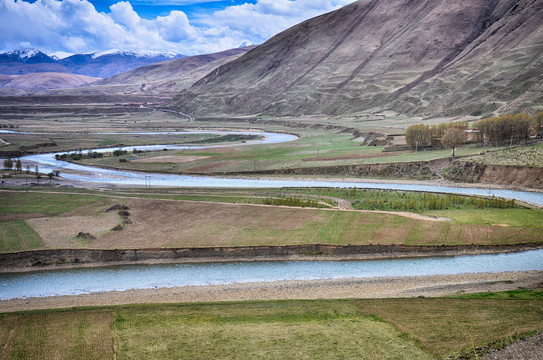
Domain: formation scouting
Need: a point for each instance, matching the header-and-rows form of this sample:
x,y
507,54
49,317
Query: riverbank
x,y
381,287
41,260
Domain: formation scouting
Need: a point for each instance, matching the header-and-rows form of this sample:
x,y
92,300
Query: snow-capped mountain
x,y
100,64
136,53
26,56
59,55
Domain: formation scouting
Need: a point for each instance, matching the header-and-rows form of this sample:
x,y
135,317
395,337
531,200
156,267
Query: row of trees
x,y
508,129
8,164
450,135
78,156
290,201
433,202
501,130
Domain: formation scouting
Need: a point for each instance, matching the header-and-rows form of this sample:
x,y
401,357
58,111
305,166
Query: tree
x,y
523,126
418,135
19,166
8,164
539,122
453,138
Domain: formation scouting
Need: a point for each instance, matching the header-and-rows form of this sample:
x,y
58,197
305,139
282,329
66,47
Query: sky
x,y
188,27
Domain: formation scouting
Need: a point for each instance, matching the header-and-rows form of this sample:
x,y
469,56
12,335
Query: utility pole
x,y
147,181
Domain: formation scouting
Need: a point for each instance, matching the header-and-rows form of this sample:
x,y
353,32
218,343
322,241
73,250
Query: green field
x,y
35,220
319,149
295,329
75,141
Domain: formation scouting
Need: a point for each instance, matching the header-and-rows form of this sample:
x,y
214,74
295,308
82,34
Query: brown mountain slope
x,y
165,78
413,56
30,83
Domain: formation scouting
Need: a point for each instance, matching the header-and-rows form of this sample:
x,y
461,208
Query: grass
x,y
57,335
278,329
16,235
17,207
69,141
520,218
160,222
518,156
520,294
316,148
444,326
257,330
205,224
408,201
42,203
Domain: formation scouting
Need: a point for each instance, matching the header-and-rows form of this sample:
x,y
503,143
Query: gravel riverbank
x,y
382,287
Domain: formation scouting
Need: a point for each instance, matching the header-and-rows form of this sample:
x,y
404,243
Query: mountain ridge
x,y
417,57
98,64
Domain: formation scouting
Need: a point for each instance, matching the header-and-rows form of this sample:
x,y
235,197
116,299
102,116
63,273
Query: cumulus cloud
x,y
76,26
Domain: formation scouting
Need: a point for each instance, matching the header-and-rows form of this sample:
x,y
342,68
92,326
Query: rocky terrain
x,y
422,57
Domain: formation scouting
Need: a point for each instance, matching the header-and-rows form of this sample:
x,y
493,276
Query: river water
x,y
48,163
91,280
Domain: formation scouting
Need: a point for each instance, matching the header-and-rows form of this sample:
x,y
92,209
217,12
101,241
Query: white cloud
x,y
76,26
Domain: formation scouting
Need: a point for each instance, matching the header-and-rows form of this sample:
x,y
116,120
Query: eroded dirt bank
x,y
70,258
458,171
417,170
523,176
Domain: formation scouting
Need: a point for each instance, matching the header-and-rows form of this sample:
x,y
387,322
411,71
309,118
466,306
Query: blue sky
x,y
151,9
188,27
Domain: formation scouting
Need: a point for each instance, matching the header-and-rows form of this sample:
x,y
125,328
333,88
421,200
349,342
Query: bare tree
x,y
418,135
453,138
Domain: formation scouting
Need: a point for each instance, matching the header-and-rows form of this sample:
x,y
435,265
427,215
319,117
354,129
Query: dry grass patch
x,y
57,335
59,232
162,223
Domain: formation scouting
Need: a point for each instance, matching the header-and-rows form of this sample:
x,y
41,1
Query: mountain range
x,y
98,65
166,78
421,57
425,57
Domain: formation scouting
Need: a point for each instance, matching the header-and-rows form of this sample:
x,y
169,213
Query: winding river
x,y
90,280
47,163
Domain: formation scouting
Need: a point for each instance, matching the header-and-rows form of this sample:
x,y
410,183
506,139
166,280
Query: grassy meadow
x,y
313,149
171,218
294,329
